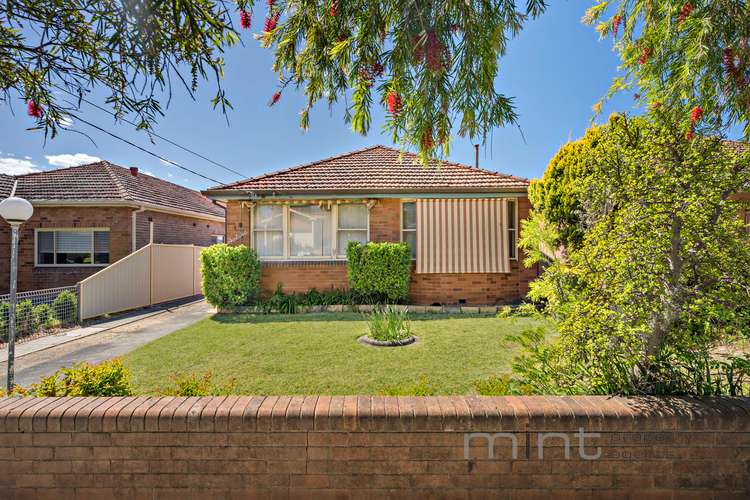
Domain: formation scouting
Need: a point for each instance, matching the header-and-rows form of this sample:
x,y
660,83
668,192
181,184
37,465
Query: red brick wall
x,y
372,447
385,225
176,229
118,220
169,229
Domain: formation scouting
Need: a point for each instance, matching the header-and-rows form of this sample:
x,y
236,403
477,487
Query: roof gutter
x,y
126,204
230,196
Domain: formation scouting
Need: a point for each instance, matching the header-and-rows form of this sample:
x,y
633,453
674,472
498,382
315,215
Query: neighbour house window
x,y
217,238
352,226
409,226
512,229
268,229
308,231
72,247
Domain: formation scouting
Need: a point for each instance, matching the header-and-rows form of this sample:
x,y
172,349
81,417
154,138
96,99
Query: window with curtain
x,y
309,231
512,230
268,230
72,247
352,226
409,226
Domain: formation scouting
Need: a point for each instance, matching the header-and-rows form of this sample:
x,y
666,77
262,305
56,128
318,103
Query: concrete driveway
x,y
117,337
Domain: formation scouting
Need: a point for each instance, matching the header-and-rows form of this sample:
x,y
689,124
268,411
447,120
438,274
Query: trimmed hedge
x,y
231,275
381,269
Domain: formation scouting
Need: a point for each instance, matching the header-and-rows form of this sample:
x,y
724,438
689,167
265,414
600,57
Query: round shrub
x,y
231,275
44,316
108,378
65,307
379,269
25,321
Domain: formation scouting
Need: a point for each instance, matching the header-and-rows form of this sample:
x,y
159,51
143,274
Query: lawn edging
x,y
302,446
367,308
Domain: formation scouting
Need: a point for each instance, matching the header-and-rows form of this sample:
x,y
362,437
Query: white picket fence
x,y
156,273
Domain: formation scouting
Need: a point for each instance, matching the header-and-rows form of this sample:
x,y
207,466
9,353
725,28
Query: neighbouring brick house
x,y
89,216
461,223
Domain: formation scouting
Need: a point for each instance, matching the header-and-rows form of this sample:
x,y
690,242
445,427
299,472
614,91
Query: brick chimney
x,y
134,171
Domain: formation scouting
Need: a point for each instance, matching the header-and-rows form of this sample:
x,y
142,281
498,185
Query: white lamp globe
x,y
16,210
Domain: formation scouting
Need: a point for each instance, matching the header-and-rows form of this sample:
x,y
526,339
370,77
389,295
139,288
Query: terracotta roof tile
x,y
377,169
6,185
106,181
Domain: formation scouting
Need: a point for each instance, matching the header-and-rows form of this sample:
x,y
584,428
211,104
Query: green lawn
x,y
319,354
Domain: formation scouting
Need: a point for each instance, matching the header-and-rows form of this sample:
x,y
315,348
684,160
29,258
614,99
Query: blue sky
x,y
556,69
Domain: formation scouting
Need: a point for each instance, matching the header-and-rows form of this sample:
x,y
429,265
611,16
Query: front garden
x,y
319,354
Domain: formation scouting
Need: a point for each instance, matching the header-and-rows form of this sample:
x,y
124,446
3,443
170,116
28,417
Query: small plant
x,y
192,385
65,307
44,316
231,275
109,378
495,385
420,388
4,309
525,310
389,325
25,322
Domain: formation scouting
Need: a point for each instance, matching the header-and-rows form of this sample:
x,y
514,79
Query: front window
x,y
409,226
512,229
72,247
314,231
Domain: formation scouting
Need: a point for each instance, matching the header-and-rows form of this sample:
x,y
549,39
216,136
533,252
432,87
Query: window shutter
x,y
462,236
73,242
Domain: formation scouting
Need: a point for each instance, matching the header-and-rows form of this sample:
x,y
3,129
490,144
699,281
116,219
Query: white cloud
x,y
170,174
165,162
27,157
148,172
67,160
14,166
66,121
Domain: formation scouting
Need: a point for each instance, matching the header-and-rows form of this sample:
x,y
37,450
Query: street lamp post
x,y
15,211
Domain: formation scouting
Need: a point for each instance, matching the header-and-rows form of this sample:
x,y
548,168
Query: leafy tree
x,y
662,272
52,52
690,52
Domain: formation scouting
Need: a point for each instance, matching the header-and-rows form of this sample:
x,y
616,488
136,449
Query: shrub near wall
x,y
380,269
231,275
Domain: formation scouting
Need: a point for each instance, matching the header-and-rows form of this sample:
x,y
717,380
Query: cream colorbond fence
x,y
156,273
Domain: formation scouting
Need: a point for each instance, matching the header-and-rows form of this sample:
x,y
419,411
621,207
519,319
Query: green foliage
x,y
678,54
65,307
192,385
350,297
441,59
25,321
421,387
44,316
279,302
661,273
231,275
496,385
57,50
4,309
381,269
109,378
525,310
388,325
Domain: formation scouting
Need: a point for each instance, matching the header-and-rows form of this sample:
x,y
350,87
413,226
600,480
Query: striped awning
x,y
462,236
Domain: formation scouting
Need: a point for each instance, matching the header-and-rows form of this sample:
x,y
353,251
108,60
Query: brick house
x,y
89,216
460,221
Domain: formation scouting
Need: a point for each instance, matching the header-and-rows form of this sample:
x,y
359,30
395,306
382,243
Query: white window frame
x,y
336,253
401,223
513,230
91,230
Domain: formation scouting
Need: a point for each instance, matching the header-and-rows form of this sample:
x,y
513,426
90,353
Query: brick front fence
x,y
322,447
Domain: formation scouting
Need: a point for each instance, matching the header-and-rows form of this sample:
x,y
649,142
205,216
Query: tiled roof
x,y
377,169
738,146
106,181
6,185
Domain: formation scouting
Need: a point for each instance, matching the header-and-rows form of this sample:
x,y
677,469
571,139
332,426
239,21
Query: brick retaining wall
x,y
323,447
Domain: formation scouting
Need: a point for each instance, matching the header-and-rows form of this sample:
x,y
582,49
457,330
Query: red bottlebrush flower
x,y
271,21
616,25
690,135
687,9
245,19
695,115
270,3
275,98
394,103
34,110
645,55
377,69
729,61
334,8
426,140
435,52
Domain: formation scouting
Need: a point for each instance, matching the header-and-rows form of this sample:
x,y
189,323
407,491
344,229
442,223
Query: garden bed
x,y
362,308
